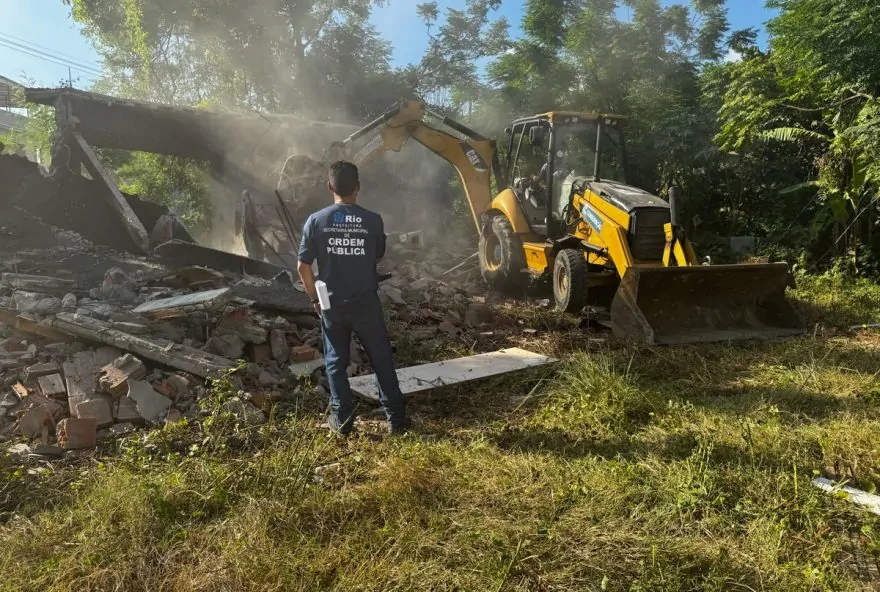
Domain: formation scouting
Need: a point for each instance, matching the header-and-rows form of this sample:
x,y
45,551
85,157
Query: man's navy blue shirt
x,y
347,241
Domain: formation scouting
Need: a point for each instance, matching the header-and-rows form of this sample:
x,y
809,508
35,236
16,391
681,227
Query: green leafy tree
x,y
815,91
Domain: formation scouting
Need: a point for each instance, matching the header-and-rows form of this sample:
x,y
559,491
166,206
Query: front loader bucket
x,y
676,305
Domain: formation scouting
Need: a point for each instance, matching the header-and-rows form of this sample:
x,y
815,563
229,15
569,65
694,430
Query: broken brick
x,y
304,353
36,399
115,376
77,433
260,354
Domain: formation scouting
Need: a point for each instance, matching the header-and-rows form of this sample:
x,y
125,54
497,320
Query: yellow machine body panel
x,y
506,203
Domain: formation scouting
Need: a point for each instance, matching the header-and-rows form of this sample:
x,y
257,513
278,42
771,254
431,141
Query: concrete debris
x,y
305,368
478,314
26,301
48,306
179,305
68,303
97,409
279,345
131,328
266,379
230,347
47,450
150,404
120,429
173,416
52,385
36,283
168,353
245,411
43,369
243,328
125,411
174,387
34,420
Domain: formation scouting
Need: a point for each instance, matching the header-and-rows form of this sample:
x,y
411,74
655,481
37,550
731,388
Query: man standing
x,y
347,241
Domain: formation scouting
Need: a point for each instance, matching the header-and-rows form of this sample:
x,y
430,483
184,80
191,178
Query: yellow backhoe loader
x,y
565,213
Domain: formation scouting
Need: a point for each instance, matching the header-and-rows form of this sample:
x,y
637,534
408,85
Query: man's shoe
x,y
339,430
399,429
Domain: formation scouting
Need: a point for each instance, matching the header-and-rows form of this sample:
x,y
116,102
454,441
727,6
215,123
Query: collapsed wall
x,y
73,203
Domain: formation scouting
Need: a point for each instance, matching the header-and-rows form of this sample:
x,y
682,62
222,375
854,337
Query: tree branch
x,y
320,28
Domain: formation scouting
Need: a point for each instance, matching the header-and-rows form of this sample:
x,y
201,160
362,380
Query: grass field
x,y
619,469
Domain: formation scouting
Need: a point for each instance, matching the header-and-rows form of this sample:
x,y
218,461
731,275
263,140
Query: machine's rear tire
x,y
570,281
501,254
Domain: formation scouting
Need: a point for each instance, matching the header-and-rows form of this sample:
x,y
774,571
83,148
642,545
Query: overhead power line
x,y
54,52
41,55
48,57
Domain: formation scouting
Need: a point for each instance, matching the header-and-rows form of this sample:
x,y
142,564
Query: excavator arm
x,y
473,156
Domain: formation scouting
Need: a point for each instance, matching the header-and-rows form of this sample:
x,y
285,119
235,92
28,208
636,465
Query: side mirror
x,y
536,135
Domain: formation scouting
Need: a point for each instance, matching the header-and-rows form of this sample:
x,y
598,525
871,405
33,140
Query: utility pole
x,y
69,78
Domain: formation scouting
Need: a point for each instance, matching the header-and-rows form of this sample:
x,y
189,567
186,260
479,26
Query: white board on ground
x,y
430,376
869,501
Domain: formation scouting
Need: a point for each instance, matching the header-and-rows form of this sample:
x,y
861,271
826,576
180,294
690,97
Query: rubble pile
x,y
434,290
96,342
79,363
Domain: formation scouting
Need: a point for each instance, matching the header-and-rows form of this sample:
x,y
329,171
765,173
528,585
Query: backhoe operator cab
x,y
544,158
552,160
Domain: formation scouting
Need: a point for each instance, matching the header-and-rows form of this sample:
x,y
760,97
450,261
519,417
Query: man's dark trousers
x,y
366,319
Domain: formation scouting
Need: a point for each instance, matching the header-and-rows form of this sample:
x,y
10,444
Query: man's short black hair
x,y
344,178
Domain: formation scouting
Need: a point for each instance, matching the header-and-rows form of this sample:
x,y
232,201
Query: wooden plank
x,y
429,376
164,352
115,200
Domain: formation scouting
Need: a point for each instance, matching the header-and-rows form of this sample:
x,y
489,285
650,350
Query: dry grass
x,y
621,469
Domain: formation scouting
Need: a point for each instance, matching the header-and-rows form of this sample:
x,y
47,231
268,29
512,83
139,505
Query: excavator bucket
x,y
702,303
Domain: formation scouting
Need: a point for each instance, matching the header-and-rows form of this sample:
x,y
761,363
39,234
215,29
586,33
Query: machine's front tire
x,y
570,281
501,254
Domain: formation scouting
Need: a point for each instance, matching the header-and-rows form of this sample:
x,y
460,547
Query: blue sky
x,y
46,25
